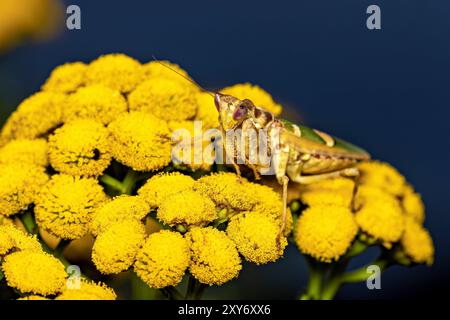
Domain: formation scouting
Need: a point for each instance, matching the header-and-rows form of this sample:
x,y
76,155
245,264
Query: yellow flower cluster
x,y
88,291
385,207
30,151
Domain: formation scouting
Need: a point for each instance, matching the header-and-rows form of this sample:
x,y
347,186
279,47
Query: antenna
x,y
212,93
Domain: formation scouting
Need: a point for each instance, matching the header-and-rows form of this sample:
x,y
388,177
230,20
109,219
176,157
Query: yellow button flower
x,y
25,151
13,239
163,259
116,71
382,175
206,111
165,98
259,96
214,258
413,205
66,204
332,191
95,102
140,141
115,249
255,235
80,148
88,290
382,220
325,232
417,243
119,209
162,185
19,185
35,117
187,208
66,78
34,272
160,70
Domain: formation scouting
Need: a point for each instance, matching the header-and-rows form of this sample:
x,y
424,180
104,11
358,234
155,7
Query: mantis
x,y
304,155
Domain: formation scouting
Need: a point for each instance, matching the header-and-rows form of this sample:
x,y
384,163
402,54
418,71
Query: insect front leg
x,y
281,159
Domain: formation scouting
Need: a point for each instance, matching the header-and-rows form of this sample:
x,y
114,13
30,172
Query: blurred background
x,y
386,90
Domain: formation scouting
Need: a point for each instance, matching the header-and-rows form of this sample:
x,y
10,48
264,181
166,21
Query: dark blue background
x,y
387,90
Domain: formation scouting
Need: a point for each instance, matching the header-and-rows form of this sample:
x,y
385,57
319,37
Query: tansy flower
x,y
417,243
19,185
159,70
119,209
206,111
25,151
13,239
187,208
163,259
162,185
382,175
34,272
214,258
368,194
255,236
35,117
140,141
4,221
115,248
331,191
80,148
88,290
413,205
325,232
95,102
165,98
256,94
226,190
66,78
33,297
116,71
66,204
382,220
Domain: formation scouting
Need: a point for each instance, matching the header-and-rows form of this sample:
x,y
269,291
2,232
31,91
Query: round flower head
x,y
162,185
140,141
4,221
95,102
206,111
255,236
80,148
382,175
88,291
66,204
66,78
382,220
413,205
13,239
34,272
116,71
163,259
417,243
226,191
325,232
332,191
19,185
115,248
260,97
25,151
165,98
187,208
368,194
119,209
214,258
35,117
160,70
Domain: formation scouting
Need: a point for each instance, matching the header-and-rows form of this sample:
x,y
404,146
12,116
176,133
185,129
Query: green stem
x,y
316,273
130,181
190,294
172,293
111,182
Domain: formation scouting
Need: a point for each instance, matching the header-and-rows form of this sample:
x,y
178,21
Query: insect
x,y
304,155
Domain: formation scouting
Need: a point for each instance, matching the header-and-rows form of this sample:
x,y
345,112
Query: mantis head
x,y
232,111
